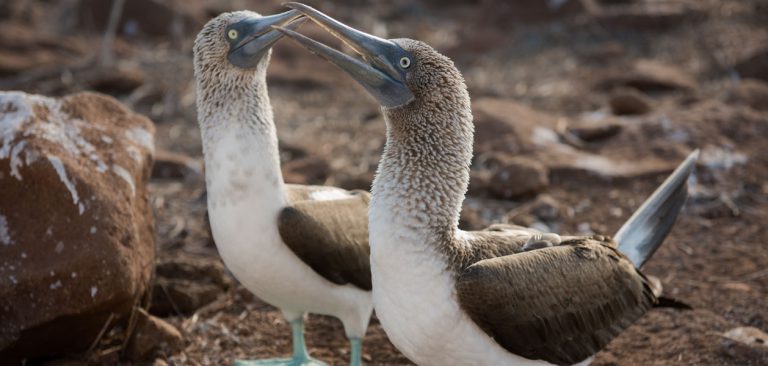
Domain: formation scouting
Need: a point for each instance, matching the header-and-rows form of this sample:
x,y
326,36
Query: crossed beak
x,y
377,72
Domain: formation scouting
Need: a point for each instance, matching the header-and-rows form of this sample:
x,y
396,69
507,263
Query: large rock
x,y
76,229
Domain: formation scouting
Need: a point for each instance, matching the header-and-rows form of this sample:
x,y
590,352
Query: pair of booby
x,y
299,248
504,296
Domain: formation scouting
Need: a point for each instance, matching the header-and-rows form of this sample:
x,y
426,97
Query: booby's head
x,y
238,43
397,72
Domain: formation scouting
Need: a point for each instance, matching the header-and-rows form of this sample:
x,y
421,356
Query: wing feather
x,y
560,304
331,236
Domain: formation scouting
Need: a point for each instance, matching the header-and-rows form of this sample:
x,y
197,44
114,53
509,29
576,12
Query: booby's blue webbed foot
x,y
300,355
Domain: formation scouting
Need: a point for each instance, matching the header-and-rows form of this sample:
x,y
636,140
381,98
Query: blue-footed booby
x,y
505,296
299,248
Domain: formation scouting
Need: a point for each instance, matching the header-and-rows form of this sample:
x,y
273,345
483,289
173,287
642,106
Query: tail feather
x,y
644,232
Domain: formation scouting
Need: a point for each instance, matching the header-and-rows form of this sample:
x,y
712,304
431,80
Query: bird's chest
x,y
413,293
244,199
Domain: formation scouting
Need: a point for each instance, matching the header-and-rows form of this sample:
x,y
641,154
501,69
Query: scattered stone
x,y
745,343
362,181
647,76
594,130
479,183
76,227
603,52
116,80
171,165
748,335
307,170
153,337
184,284
544,210
629,102
518,177
470,220
503,125
754,64
751,92
652,16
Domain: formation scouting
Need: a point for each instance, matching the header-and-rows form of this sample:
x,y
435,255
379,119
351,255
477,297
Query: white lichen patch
x,y
5,232
55,285
16,160
122,173
141,137
93,230
62,172
59,247
134,153
94,290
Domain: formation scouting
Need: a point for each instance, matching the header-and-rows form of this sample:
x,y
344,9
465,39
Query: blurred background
x,y
582,107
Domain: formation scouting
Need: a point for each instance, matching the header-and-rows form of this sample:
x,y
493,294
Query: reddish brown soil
x,y
715,259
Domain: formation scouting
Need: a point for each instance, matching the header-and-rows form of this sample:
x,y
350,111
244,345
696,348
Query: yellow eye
x,y
405,62
232,34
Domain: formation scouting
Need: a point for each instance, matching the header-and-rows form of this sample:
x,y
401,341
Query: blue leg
x,y
357,352
300,354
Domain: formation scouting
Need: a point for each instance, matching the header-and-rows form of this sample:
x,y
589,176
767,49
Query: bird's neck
x,y
424,171
242,160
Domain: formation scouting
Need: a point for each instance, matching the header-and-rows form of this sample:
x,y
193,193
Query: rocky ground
x,y
586,105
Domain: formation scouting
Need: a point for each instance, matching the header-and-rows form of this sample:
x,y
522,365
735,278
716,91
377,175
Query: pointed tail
x,y
644,232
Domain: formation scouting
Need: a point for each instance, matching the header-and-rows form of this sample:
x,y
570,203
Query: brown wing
x,y
560,304
331,236
494,241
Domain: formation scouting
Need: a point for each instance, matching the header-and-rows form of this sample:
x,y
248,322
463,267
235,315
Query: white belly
x,y
244,199
414,297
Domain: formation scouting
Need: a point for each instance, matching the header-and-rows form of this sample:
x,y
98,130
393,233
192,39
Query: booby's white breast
x,y
245,196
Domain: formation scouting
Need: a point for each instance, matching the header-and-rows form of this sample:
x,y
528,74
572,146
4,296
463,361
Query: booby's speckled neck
x,y
424,171
239,138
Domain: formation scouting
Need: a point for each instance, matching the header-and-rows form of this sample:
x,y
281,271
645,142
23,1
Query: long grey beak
x,y
380,76
254,36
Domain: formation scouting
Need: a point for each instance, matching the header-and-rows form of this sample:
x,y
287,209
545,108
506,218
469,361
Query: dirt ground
x,y
683,68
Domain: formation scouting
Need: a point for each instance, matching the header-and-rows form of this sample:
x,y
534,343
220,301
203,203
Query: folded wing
x,y
560,304
331,236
